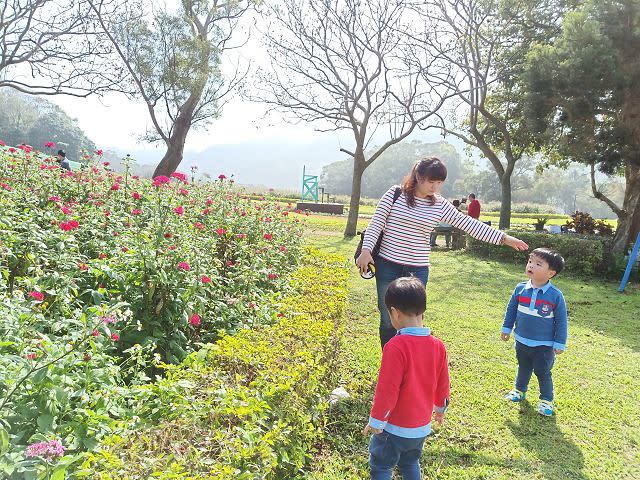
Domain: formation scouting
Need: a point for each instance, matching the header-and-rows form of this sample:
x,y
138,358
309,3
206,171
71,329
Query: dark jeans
x,y
387,450
387,272
539,360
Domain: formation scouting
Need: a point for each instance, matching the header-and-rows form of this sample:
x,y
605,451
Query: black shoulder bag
x,y
371,273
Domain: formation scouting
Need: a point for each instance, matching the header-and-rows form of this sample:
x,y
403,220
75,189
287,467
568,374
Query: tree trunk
x,y
629,223
356,187
175,148
505,202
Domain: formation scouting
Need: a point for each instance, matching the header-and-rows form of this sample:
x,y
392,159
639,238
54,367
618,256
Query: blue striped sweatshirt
x,y
539,316
407,230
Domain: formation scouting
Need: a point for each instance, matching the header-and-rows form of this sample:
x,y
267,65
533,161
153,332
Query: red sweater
x,y
473,210
413,379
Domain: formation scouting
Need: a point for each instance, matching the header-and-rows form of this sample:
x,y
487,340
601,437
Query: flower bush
x,y
105,278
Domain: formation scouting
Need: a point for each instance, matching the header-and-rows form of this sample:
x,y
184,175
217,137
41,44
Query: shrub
x,y
249,406
583,254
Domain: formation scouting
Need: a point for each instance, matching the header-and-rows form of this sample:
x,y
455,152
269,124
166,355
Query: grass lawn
x,y
596,434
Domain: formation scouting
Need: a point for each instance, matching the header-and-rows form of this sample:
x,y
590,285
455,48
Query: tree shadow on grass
x,y
559,457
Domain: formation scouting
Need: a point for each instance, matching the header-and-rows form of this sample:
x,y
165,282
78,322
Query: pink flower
x,y
172,247
220,231
268,236
205,279
136,211
179,210
273,276
2,144
25,148
109,319
267,219
184,266
115,337
66,210
31,356
199,225
49,144
107,213
182,191
95,333
160,180
136,195
241,235
47,450
115,186
209,201
38,296
222,176
179,176
99,153
83,266
194,319
54,198
283,249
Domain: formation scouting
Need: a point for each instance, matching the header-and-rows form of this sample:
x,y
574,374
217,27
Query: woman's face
x,y
427,187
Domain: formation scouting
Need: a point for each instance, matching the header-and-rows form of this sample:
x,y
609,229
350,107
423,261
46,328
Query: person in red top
x,y
473,208
413,383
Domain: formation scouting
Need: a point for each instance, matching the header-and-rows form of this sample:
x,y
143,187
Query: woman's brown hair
x,y
428,168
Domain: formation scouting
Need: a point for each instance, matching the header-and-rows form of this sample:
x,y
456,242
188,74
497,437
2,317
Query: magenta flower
x,y
184,266
136,195
38,296
220,231
205,279
267,236
160,180
199,225
47,450
222,176
115,337
136,211
179,176
194,320
179,210
49,144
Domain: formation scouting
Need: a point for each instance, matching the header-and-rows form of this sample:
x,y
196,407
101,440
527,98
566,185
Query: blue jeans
x,y
387,272
387,450
539,360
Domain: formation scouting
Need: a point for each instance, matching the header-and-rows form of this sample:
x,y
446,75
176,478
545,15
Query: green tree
x,y
173,61
583,98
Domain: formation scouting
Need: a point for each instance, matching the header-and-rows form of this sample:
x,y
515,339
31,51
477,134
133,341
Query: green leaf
x,y
4,441
58,473
45,422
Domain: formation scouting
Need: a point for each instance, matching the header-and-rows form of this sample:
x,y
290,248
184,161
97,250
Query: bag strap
x,y
396,194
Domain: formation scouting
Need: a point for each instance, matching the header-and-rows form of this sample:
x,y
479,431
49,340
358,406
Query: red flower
x,y
136,195
179,176
195,319
205,279
12,150
160,180
83,266
136,211
283,249
182,191
99,153
68,226
184,266
49,144
172,247
168,235
95,333
107,213
222,176
25,148
220,231
102,256
241,235
205,211
198,225
268,236
54,198
209,201
39,296
115,337
280,314
267,219
31,356
66,210
273,276
179,210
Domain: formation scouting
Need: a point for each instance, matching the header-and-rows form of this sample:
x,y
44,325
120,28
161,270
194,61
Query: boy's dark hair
x,y
456,203
62,153
553,258
406,294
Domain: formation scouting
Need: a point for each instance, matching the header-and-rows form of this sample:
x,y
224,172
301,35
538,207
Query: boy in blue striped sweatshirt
x,y
539,313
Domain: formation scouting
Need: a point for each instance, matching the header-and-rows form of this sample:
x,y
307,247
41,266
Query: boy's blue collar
x,y
415,331
544,289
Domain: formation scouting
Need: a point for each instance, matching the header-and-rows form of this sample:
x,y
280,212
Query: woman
x,y
407,225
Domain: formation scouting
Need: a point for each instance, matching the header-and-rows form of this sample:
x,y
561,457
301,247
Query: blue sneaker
x,y
515,396
546,408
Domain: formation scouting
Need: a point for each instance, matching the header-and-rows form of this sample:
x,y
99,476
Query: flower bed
x,y
248,407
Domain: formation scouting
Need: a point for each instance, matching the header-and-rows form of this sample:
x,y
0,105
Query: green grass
x,y
596,434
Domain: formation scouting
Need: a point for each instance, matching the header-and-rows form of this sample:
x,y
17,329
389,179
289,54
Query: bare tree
x,y
49,47
346,64
174,63
487,49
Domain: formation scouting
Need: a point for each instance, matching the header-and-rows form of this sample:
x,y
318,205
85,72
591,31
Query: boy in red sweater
x,y
413,383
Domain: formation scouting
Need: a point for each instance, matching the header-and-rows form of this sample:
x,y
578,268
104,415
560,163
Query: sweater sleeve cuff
x,y
559,346
375,423
506,330
443,408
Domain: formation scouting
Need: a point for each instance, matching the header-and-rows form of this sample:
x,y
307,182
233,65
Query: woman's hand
x,y
364,260
515,243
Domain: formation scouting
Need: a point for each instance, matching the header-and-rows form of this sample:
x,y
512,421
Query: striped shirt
x,y
408,229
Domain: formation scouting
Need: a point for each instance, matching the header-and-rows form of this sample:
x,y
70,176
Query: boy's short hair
x,y
553,258
406,294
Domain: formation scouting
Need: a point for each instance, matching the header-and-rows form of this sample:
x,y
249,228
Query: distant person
x,y
473,207
62,160
539,313
413,383
458,240
406,226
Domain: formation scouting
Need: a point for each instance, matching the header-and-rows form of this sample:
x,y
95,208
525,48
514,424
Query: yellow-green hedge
x,y
249,406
